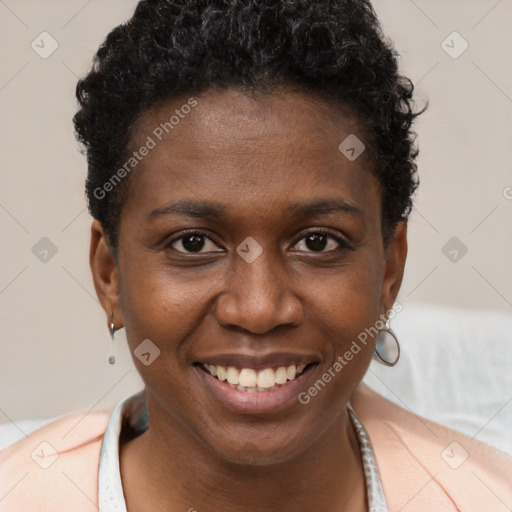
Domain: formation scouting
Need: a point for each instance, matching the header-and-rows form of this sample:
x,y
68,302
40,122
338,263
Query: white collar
x,y
110,487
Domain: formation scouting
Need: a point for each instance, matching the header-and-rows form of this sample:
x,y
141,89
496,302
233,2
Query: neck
x,y
166,466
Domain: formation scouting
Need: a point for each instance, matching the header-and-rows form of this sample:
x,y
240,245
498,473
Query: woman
x,y
251,168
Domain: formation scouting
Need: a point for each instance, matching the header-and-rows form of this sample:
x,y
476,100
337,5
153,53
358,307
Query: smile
x,y
249,383
249,380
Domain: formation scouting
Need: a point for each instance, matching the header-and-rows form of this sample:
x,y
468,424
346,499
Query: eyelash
x,y
343,244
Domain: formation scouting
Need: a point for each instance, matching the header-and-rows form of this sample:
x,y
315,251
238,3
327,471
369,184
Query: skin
x,y
255,156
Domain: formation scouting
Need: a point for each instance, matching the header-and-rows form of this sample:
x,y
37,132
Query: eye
x,y
193,242
317,241
321,241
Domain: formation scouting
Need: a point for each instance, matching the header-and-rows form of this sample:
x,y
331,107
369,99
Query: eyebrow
x,y
323,207
192,208
214,210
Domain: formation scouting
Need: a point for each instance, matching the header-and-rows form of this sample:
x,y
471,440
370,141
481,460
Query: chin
x,y
267,451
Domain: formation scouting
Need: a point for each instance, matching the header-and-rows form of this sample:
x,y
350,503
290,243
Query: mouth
x,y
256,385
249,380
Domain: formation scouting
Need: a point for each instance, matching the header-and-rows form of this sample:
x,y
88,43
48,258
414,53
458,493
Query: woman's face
x,y
248,240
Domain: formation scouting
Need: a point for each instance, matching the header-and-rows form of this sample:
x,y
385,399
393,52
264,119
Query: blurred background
x,y
54,338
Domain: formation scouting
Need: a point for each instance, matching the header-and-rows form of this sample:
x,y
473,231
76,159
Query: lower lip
x,y
256,402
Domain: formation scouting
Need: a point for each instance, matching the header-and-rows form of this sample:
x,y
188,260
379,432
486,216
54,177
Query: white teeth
x,y
281,375
266,378
232,375
250,380
291,371
221,373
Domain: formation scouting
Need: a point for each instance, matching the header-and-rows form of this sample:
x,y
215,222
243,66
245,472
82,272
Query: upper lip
x,y
259,361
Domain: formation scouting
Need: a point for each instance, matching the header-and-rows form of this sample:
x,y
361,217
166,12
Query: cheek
x,y
159,307
168,306
348,300
347,307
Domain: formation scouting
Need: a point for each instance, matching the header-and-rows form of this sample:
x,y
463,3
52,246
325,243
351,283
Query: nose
x,y
258,297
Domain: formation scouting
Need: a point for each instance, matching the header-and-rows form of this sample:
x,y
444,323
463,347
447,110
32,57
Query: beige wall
x,y
54,339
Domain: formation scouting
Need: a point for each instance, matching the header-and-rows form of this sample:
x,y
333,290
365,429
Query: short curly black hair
x,y
332,49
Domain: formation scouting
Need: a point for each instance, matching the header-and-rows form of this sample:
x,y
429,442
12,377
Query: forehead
x,y
229,118
250,149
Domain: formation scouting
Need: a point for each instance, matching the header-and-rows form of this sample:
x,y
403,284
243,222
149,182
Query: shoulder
x,y
54,466
422,462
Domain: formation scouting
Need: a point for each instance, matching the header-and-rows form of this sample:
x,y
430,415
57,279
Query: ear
x,y
105,274
396,254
